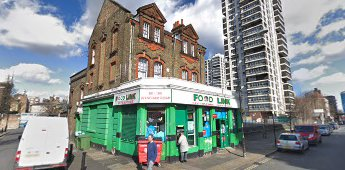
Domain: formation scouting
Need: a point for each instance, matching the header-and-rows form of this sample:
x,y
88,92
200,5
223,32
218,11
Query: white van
x,y
24,118
44,144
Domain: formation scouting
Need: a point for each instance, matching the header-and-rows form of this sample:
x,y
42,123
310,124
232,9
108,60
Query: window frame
x,y
184,74
185,47
157,35
146,30
194,77
192,50
160,75
143,69
93,56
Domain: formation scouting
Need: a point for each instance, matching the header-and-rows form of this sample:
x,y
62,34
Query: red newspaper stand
x,y
142,151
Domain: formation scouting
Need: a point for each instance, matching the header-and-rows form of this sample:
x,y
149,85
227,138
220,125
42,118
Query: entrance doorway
x,y
222,133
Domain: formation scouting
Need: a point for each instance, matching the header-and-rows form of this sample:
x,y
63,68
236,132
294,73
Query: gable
x,y
153,11
190,31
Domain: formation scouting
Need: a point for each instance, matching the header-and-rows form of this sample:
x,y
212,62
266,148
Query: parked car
x,y
311,132
334,125
330,128
292,141
44,144
325,130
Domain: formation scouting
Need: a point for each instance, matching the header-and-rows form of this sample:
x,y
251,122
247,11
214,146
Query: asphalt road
x,y
8,148
326,156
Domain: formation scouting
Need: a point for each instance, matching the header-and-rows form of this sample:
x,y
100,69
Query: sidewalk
x,y
257,149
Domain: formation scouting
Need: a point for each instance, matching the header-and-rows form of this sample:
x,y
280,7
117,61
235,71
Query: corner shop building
x,y
116,118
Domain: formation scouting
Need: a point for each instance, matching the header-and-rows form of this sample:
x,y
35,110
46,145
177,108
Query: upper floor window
x,y
146,30
142,68
93,55
192,50
184,75
158,70
185,44
157,35
194,77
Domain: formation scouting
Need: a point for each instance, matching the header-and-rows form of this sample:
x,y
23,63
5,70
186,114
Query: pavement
x,y
229,158
328,155
8,147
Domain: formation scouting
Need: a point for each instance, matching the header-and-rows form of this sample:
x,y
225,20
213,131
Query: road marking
x,y
252,167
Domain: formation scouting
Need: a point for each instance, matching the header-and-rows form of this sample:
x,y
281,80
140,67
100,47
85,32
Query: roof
x,y
122,7
154,6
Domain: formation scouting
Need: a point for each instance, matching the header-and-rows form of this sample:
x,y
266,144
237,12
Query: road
x,y
327,156
8,147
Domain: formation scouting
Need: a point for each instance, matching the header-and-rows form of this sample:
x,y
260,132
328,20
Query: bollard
x,y
83,167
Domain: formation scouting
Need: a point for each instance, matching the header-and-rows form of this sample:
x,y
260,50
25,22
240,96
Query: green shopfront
x,y
117,118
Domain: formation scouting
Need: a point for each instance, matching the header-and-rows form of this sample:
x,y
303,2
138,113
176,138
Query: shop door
x,y
222,133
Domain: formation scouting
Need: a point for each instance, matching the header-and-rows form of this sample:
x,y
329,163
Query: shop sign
x,y
155,95
184,97
126,98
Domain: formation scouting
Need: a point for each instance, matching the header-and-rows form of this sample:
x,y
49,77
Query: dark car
x,y
310,132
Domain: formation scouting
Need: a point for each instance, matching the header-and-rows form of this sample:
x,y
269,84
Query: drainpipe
x,y
130,53
173,56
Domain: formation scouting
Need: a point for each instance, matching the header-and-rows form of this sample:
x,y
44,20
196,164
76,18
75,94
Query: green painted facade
x,y
119,127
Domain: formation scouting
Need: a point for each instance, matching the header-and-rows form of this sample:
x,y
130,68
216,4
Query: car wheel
x,y
320,141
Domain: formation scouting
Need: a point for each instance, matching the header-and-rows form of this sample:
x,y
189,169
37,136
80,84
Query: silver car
x,y
292,141
325,130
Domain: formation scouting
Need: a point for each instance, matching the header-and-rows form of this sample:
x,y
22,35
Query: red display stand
x,y
142,151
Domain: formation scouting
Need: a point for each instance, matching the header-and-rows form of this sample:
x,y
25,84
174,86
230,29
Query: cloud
x,y
336,78
304,74
31,25
305,16
303,48
333,27
47,93
312,60
29,73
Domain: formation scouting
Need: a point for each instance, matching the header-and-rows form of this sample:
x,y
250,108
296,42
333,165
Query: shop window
x,y
146,30
156,122
194,77
185,45
184,75
158,70
206,123
157,35
191,126
142,68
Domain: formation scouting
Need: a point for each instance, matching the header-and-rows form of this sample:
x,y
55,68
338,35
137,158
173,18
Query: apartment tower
x,y
215,71
256,56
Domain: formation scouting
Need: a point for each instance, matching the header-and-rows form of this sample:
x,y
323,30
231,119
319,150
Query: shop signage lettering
x,y
205,98
223,101
126,97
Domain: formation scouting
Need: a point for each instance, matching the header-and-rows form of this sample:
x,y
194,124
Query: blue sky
x,y
44,42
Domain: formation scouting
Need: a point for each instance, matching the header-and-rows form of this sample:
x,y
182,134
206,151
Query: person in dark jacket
x,y
151,152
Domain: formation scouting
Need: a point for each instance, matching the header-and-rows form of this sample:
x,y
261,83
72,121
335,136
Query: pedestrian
x,y
182,142
151,152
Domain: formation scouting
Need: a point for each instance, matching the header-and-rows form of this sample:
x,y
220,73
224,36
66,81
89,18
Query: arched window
x,y
158,70
184,75
93,54
142,68
194,77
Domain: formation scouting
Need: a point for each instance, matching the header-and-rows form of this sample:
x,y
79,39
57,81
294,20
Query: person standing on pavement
x,y
182,142
151,152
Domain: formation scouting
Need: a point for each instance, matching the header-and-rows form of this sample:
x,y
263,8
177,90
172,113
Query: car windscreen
x,y
288,137
323,127
304,128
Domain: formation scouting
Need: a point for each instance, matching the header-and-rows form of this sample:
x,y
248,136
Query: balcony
x,y
257,43
287,87
256,64
282,51
281,36
280,29
289,100
247,5
289,94
277,6
285,68
260,107
263,99
258,85
259,92
284,61
286,76
255,57
252,19
251,12
257,78
257,71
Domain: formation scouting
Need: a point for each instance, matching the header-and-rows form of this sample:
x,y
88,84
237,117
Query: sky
x,y
42,43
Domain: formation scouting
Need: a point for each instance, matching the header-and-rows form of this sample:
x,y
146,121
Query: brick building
x,y
125,47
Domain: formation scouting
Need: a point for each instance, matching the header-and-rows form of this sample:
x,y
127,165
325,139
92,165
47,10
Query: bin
x,y
142,151
83,142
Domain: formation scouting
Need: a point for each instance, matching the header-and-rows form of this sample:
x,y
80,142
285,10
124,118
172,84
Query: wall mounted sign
x,y
126,98
155,95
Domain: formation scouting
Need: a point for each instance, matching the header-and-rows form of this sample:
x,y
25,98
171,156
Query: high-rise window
x,y
157,35
146,30
185,44
142,68
192,50
184,75
194,77
158,70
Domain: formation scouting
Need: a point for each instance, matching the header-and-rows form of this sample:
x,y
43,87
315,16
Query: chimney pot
x,y
181,21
